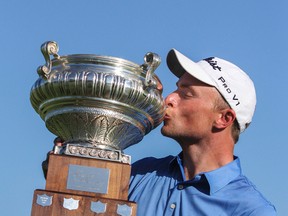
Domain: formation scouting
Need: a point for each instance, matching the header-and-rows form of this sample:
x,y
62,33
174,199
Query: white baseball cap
x,y
233,84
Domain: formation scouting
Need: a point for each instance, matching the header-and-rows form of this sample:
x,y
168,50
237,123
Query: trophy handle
x,y
48,48
152,61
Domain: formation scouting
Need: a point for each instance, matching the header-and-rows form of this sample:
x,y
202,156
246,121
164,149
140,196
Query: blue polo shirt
x,y
159,188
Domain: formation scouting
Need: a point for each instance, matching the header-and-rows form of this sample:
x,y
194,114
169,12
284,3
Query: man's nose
x,y
170,100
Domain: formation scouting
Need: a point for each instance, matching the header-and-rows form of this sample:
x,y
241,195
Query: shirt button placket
x,y
173,206
172,201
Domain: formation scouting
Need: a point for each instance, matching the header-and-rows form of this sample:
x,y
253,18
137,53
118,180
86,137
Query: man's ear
x,y
225,119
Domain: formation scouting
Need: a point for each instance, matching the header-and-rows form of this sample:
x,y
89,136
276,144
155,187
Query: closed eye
x,y
185,90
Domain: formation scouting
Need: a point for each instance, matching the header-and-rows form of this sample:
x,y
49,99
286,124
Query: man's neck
x,y
204,157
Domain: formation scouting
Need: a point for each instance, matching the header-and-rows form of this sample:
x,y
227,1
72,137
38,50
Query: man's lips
x,y
166,117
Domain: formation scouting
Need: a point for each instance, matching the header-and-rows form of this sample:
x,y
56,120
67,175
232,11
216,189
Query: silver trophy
x,y
98,104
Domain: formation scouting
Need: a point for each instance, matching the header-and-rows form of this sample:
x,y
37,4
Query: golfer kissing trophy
x,y
99,105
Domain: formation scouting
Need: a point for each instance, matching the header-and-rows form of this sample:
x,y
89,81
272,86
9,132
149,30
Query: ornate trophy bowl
x,y
99,105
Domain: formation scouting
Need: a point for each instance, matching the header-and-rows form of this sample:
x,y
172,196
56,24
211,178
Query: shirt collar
x,y
218,178
224,175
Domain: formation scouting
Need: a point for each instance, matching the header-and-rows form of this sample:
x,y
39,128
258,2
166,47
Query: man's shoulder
x,y
150,164
252,200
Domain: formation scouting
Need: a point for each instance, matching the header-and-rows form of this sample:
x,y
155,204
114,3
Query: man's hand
x,y
58,142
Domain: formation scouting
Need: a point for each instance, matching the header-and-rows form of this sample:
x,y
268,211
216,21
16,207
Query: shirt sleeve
x,y
268,210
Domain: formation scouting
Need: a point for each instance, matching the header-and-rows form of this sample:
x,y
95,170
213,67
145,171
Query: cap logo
x,y
213,63
215,66
228,90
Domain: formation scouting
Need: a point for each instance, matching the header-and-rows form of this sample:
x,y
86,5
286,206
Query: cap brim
x,y
179,64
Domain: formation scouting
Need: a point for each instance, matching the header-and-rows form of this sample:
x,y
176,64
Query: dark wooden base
x,y
57,176
74,187
85,205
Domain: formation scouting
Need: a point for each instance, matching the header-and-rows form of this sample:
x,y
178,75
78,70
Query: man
x,y
213,103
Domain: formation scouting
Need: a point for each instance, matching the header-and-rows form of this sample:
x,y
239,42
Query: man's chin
x,y
164,132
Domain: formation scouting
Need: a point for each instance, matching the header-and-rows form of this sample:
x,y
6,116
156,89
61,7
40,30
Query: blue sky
x,y
252,34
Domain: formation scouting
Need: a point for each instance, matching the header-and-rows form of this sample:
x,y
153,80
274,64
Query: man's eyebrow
x,y
182,84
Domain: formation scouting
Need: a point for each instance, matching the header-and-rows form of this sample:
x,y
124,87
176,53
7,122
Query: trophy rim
x,y
97,59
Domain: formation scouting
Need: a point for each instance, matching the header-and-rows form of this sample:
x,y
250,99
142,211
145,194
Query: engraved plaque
x,y
98,207
124,210
44,200
88,179
71,204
